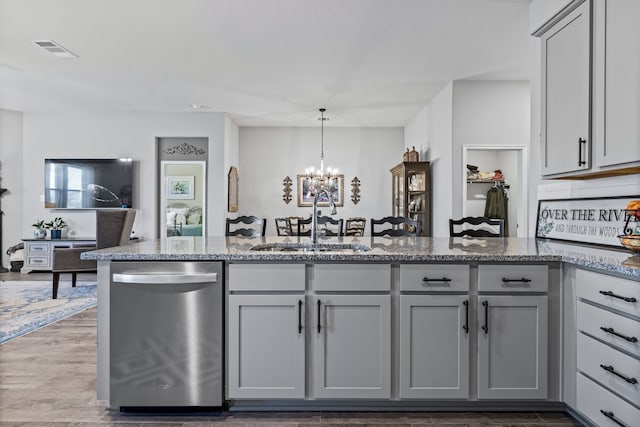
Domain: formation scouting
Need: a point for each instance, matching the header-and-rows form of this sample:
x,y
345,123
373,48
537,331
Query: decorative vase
x,y
56,234
39,233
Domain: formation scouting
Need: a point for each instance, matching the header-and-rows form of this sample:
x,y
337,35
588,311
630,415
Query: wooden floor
x,y
48,378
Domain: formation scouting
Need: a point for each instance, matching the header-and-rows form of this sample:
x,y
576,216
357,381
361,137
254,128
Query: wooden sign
x,y
594,220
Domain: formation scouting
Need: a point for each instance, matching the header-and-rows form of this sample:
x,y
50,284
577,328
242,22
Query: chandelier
x,y
321,178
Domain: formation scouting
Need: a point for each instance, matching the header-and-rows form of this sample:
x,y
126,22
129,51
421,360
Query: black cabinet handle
x,y
580,142
466,316
612,370
485,327
612,417
612,332
611,294
319,309
299,316
444,279
522,280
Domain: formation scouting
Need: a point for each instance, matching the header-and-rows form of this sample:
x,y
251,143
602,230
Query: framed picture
x,y
305,195
590,220
180,187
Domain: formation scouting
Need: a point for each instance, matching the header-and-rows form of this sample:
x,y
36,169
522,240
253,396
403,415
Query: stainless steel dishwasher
x,y
166,335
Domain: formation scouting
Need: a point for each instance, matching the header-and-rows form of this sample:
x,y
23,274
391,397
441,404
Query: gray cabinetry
x,y
565,100
434,346
266,346
512,347
352,346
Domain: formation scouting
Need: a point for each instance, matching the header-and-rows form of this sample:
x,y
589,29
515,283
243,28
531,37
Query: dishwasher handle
x,y
165,278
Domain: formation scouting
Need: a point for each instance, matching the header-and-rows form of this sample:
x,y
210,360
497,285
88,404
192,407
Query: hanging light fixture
x,y
321,178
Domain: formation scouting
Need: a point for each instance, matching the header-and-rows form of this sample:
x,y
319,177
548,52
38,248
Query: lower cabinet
x,y
352,346
512,347
434,346
266,342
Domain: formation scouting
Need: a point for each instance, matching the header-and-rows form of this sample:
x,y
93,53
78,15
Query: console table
x,y
38,253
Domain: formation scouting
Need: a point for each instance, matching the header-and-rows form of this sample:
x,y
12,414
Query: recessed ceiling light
x,y
55,48
198,106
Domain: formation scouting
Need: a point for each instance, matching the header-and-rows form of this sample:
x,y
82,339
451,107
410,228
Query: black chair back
x,y
476,227
260,226
283,227
397,226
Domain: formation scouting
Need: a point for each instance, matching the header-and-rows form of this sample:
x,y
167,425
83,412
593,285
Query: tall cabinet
x,y
411,193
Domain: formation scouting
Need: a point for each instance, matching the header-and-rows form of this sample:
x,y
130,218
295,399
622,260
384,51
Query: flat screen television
x,y
88,183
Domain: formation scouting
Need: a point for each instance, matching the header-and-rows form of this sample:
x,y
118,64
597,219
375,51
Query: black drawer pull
x,y
612,370
319,309
612,417
485,327
611,331
611,294
580,142
466,316
299,316
444,279
523,280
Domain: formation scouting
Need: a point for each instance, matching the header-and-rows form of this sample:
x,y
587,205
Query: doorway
x,y
512,162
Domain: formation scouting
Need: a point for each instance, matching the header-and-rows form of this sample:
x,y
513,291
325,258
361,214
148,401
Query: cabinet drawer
x,y
434,278
34,261
38,248
614,292
620,332
610,367
513,278
351,277
593,400
266,277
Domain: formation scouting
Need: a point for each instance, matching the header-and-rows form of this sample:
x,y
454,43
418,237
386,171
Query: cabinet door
x,y
617,86
352,346
565,97
266,357
512,347
434,346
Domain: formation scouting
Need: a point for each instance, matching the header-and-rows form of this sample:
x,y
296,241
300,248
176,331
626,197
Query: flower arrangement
x,y
56,224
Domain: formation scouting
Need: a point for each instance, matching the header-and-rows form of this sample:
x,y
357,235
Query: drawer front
x,y
595,401
38,248
619,331
266,277
434,278
351,277
610,367
513,278
614,292
40,262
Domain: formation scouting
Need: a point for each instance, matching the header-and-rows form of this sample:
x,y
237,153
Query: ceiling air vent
x,y
54,48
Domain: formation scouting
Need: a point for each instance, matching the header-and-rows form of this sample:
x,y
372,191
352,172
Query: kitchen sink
x,y
310,247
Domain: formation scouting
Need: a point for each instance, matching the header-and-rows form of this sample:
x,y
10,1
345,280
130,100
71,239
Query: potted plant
x,y
56,227
40,231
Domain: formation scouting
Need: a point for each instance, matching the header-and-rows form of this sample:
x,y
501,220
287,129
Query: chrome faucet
x,y
314,217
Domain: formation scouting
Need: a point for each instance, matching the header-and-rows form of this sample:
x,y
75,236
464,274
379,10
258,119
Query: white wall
x,y
441,158
417,132
115,135
268,154
231,157
11,179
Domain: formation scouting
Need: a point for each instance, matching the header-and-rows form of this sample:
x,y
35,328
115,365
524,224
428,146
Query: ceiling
x,y
265,62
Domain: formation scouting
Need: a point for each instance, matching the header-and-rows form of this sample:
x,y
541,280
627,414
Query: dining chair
x,y
283,227
113,228
254,226
395,226
355,226
476,227
331,226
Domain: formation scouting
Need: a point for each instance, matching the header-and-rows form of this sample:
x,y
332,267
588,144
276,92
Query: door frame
x,y
522,218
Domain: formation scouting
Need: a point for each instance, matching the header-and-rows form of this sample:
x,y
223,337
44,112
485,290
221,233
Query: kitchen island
x,y
412,323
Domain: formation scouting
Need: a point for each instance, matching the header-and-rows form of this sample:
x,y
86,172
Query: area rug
x,y
27,306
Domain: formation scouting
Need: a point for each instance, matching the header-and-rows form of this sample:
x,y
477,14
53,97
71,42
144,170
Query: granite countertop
x,y
383,249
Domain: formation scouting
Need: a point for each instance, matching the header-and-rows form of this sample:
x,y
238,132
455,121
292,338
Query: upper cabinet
x,y
589,101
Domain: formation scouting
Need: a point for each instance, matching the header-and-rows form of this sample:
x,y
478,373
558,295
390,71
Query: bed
x,y
184,220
